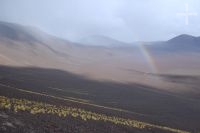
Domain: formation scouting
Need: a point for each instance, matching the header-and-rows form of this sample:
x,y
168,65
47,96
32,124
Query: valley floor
x,y
153,109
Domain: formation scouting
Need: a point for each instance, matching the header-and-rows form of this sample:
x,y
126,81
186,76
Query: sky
x,y
124,20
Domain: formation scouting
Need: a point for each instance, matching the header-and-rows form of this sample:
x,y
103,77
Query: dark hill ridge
x,y
185,43
185,39
182,43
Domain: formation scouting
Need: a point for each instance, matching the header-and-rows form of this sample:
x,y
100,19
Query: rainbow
x,y
149,58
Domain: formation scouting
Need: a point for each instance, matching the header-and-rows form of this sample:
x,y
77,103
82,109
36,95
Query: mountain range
x,y
28,46
16,32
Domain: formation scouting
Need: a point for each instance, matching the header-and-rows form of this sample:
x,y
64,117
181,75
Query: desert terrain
x,y
140,87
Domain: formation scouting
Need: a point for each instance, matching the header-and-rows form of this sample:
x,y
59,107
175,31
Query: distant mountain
x,y
182,43
184,39
99,40
30,35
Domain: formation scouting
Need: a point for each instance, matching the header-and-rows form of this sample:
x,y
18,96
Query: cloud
x,y
126,20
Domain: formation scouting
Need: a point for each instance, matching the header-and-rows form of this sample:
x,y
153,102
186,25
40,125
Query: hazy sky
x,y
126,20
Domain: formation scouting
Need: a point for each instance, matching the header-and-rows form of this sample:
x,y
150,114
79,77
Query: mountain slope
x,y
17,32
20,45
28,46
98,40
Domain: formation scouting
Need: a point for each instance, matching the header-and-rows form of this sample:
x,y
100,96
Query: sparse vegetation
x,y
119,103
63,111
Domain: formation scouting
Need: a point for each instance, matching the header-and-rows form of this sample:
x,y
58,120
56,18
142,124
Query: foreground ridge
x,y
64,111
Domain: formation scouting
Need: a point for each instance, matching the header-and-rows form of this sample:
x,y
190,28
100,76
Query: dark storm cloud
x,y
127,20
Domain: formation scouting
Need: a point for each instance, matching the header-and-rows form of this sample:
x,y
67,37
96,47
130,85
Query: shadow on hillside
x,y
157,105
